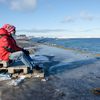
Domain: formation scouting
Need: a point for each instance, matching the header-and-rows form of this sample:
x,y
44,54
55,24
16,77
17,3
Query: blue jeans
x,y
20,55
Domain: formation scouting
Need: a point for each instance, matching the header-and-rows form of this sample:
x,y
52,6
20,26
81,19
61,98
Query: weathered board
x,y
14,69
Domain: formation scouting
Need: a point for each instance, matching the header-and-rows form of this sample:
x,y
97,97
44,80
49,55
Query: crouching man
x,y
9,50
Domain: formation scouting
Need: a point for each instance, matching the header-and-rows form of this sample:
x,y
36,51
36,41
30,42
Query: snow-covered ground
x,y
73,73
61,59
71,76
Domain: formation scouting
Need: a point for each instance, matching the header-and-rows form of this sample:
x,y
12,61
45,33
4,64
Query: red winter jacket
x,y
7,45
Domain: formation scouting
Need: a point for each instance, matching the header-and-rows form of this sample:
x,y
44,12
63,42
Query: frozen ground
x,y
71,76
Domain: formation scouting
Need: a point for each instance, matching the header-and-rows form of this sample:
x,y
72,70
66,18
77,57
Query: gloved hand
x,y
26,51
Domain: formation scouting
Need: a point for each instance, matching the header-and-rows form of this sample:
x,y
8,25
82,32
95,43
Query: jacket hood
x,y
3,32
9,28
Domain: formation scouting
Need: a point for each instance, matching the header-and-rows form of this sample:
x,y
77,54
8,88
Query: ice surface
x,y
16,81
4,77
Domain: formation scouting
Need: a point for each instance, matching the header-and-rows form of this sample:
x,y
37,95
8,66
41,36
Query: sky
x,y
53,18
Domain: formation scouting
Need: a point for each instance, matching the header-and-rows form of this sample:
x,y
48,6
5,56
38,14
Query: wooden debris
x,y
12,70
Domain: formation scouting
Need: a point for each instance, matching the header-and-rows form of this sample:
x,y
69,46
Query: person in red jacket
x,y
9,50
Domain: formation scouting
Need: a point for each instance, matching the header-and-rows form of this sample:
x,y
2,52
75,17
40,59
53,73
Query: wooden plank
x,y
38,74
12,69
29,75
24,71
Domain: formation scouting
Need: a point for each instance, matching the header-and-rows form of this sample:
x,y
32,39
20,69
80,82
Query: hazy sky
x,y
53,18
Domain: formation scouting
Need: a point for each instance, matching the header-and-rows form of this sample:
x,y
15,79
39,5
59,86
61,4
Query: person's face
x,y
13,32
